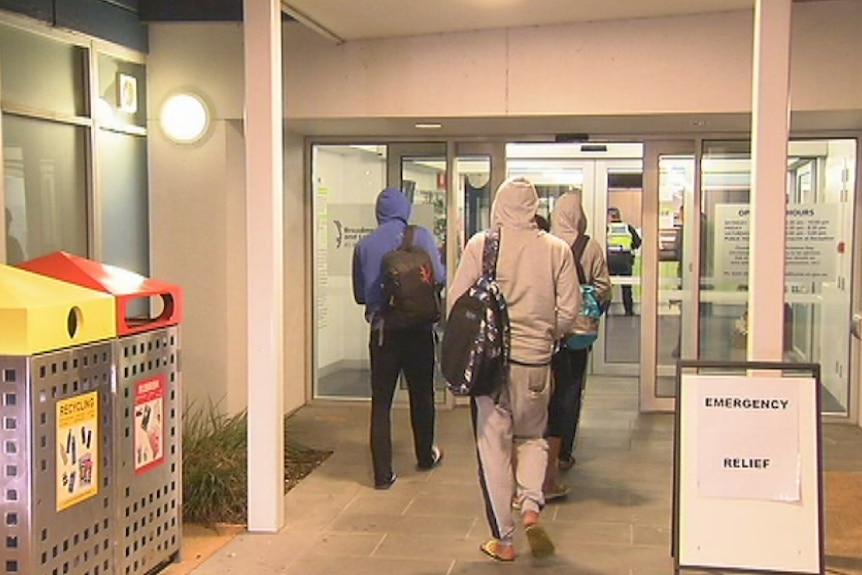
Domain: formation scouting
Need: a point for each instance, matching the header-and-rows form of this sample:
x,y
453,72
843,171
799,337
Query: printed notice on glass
x,y
77,449
149,423
748,438
811,250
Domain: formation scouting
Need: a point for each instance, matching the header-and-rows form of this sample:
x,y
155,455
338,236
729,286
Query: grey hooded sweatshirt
x,y
535,270
568,222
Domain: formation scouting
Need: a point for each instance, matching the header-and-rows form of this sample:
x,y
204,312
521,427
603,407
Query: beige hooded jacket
x,y
535,270
568,222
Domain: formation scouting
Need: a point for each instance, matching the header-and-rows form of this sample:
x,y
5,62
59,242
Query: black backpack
x,y
474,354
408,286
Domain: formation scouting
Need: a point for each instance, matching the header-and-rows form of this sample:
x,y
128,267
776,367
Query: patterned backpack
x,y
474,355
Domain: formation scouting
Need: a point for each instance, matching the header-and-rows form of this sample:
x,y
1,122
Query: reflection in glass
x,y
125,201
42,74
818,256
45,187
676,183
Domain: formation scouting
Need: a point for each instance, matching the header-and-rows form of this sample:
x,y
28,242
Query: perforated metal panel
x,y
148,456
57,501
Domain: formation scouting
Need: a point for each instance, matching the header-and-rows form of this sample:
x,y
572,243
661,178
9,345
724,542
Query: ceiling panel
x,y
364,19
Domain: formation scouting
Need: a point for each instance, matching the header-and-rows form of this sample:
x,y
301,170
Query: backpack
x,y
474,354
408,286
590,305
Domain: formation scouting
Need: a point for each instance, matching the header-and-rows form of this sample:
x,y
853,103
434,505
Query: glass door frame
x,y
598,220
396,153
650,370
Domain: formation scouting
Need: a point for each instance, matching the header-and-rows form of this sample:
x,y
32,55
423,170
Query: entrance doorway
x,y
687,201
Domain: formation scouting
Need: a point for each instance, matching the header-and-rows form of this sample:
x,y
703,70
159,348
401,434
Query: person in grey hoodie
x,y
537,276
568,223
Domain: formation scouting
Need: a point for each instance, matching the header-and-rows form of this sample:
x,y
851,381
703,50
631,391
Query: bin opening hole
x,y
148,309
74,321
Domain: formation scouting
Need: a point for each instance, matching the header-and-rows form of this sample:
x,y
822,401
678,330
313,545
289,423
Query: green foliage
x,y
215,475
215,472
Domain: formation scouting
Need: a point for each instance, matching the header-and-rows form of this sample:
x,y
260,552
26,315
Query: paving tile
x,y
317,565
347,544
615,522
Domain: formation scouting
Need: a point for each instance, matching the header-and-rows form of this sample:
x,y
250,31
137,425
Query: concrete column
x,y
264,243
769,131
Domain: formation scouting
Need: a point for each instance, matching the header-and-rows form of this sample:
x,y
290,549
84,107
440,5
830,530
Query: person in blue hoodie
x,y
410,350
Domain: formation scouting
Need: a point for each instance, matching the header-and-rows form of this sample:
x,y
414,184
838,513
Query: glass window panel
x,y
42,74
625,264
473,175
818,257
347,179
125,203
45,186
122,98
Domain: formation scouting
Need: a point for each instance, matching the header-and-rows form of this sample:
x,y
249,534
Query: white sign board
x,y
811,252
748,474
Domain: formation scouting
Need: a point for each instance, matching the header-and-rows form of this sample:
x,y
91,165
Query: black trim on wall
x,y
113,20
106,20
39,9
191,10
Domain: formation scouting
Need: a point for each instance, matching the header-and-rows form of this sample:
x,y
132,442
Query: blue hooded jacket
x,y
393,212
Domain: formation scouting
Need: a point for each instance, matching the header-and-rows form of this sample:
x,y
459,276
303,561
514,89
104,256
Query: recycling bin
x,y
147,407
56,427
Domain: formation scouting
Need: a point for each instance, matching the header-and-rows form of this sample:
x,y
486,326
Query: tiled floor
x,y
617,520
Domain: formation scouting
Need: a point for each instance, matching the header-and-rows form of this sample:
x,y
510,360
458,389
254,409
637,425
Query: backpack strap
x,y
490,251
409,231
578,251
490,254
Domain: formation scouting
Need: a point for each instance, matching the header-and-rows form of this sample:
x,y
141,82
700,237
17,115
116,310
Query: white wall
x,y
197,196
660,65
683,64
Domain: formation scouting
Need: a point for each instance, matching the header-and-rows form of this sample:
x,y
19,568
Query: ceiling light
x,y
429,126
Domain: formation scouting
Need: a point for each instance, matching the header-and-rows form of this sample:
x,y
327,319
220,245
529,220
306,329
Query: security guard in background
x,y
622,240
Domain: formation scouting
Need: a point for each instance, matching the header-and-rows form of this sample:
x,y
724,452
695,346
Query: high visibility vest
x,y
619,237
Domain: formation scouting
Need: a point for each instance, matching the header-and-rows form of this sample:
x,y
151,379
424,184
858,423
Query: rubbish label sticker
x,y
149,423
77,449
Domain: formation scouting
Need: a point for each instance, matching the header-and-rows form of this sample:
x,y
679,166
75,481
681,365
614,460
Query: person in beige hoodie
x,y
536,274
568,223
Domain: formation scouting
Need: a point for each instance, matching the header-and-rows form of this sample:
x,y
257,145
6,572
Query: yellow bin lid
x,y
39,314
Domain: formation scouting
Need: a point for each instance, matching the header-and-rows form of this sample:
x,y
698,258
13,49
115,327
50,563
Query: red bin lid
x,y
126,286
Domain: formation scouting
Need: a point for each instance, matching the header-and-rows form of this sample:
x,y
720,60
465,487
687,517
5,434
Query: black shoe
x,y
386,484
436,458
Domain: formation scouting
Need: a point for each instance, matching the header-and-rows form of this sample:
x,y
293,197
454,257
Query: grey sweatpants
x,y
516,416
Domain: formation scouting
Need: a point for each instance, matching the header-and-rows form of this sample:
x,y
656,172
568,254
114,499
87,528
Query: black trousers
x,y
621,265
394,351
564,409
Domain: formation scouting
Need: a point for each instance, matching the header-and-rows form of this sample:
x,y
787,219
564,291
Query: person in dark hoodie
x,y
410,350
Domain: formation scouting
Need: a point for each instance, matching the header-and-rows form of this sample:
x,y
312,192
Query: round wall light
x,y
184,118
